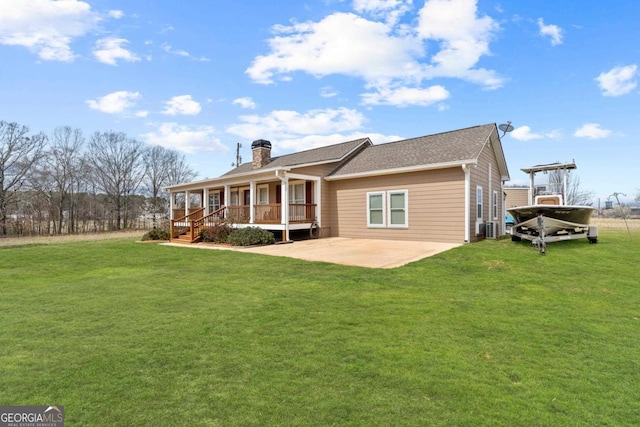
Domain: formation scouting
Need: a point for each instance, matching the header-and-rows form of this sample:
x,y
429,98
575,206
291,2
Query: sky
x,y
202,76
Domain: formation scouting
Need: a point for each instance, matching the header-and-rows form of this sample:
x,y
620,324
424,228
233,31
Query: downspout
x,y
284,197
467,202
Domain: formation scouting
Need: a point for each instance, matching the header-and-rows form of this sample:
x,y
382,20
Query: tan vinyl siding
x,y
516,196
480,178
435,206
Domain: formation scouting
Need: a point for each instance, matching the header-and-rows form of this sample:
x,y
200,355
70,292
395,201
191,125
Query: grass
x,y
130,334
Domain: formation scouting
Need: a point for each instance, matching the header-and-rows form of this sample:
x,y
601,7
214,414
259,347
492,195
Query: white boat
x,y
559,220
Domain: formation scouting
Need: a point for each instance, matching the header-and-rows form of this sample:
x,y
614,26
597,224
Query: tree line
x,y
66,182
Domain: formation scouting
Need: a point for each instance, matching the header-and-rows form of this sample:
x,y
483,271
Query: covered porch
x,y
253,203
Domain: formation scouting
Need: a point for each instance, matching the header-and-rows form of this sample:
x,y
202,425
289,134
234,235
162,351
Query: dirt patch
x,y
616,223
67,238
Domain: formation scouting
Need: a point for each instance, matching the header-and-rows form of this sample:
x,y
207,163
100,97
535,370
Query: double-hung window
x,y
387,209
397,208
376,209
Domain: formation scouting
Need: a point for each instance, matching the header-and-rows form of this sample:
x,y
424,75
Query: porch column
x,y
284,209
172,204
252,201
227,199
187,202
205,201
318,201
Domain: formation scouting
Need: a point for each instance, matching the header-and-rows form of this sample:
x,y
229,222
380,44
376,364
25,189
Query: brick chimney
x,y
261,149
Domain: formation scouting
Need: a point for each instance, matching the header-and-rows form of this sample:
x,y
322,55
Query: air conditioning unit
x,y
491,230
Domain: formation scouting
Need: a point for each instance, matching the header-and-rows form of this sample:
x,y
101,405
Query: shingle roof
x,y
442,148
331,153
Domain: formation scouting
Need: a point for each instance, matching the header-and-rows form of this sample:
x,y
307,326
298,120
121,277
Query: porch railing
x,y
271,213
191,225
183,224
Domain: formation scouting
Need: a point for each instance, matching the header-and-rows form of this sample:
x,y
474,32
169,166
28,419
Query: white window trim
x,y
479,203
258,188
292,191
494,206
384,210
405,208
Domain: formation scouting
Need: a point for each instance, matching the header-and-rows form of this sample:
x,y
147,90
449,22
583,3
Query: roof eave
x,y
225,179
408,169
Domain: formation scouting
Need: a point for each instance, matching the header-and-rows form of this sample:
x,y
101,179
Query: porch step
x,y
183,238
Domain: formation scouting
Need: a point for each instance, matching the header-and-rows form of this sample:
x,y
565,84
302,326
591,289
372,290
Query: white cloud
x,y
328,92
245,102
385,55
46,27
294,131
389,10
189,139
182,104
287,124
463,36
114,103
405,96
552,31
592,131
524,133
167,48
141,113
116,14
618,81
110,49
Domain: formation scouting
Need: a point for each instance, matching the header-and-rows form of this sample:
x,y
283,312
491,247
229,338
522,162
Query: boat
x,y
547,205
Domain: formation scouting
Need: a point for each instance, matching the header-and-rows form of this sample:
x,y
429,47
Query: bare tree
x,y
18,153
179,169
574,194
58,173
117,168
162,167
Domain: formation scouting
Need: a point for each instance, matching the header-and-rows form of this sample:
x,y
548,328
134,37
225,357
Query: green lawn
x,y
489,334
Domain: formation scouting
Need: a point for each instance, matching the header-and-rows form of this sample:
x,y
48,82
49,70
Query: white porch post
x,y
252,201
187,202
227,199
318,200
284,209
205,201
172,204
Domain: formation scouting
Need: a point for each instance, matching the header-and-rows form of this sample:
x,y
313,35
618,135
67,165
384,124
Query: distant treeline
x,y
68,183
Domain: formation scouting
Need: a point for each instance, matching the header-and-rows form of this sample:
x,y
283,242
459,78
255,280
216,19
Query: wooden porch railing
x,y
302,212
191,225
181,225
211,220
271,213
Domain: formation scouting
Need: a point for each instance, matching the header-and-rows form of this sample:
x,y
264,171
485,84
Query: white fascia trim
x,y
408,169
229,180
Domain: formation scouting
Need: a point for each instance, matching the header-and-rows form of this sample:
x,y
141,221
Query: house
x,y
447,187
516,196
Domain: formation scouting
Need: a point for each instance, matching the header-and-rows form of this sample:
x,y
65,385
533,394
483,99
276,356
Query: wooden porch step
x,y
183,238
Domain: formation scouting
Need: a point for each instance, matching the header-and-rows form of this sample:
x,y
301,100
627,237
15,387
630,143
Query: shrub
x,y
217,234
157,234
251,236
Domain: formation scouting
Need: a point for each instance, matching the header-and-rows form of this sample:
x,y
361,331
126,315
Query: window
x,y
214,201
479,208
234,198
263,194
494,206
387,209
397,208
375,209
296,193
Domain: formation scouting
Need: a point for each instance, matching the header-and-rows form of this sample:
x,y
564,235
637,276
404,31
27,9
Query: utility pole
x,y
238,156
